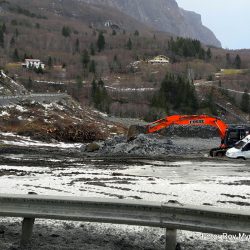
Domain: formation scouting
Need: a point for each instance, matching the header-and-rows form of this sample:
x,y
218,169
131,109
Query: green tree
x,y
92,49
100,42
209,54
12,42
237,62
30,84
228,60
39,70
92,67
136,33
4,29
176,93
79,82
66,32
245,102
129,44
16,55
1,38
16,33
77,45
99,96
85,59
50,64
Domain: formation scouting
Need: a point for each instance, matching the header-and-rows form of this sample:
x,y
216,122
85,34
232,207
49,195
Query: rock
x,y
143,145
92,147
54,235
2,231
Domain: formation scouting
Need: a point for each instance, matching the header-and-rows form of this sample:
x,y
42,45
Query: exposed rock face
x,y
164,15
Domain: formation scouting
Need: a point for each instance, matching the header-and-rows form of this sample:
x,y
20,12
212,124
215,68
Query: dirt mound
x,y
191,131
143,145
63,120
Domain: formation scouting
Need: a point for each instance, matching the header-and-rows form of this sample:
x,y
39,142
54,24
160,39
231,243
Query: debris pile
x,y
191,131
143,145
63,120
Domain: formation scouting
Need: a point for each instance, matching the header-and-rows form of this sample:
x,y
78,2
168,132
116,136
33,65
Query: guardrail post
x,y
171,242
27,227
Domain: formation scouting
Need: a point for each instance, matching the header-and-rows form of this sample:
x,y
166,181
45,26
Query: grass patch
x,y
232,71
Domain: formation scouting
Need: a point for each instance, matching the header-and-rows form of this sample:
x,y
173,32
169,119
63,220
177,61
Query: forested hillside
x,y
101,57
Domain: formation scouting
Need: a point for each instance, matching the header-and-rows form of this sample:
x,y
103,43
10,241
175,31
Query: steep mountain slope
x,y
164,15
75,10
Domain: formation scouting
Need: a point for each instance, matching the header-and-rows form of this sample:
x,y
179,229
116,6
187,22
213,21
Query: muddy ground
x,y
59,169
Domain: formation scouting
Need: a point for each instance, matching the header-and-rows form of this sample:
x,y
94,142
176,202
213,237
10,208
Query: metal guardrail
x,y
5,100
154,214
32,95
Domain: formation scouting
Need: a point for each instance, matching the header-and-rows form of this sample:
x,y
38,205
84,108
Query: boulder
x,y
92,147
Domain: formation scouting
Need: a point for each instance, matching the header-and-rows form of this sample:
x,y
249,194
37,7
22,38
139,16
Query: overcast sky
x,y
228,19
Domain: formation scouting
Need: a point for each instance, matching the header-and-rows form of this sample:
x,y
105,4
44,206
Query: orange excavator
x,y
229,135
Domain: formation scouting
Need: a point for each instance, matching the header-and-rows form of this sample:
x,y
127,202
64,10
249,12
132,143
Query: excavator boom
x,y
188,120
182,120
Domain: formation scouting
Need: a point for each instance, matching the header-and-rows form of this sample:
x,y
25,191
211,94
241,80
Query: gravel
x,y
55,235
143,145
158,145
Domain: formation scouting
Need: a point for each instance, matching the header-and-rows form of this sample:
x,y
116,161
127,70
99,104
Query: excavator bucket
x,y
134,131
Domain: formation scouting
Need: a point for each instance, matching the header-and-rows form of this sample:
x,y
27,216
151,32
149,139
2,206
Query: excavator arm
x,y
182,120
188,120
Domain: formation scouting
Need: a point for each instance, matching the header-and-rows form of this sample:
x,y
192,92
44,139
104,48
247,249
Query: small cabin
x,y
159,60
33,63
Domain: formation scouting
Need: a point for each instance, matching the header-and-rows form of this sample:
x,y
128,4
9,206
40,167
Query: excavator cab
x,y
235,134
232,136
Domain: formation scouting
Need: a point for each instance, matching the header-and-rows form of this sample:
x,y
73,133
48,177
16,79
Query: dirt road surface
x,y
65,170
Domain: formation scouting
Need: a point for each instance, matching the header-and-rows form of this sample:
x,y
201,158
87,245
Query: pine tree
x,y
50,62
66,32
100,42
77,46
12,42
1,38
30,84
85,59
136,33
16,33
79,82
177,93
245,102
209,54
16,55
39,70
228,60
92,67
4,29
92,49
99,96
237,62
129,44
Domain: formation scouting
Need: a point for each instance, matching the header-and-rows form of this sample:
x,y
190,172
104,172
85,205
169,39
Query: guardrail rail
x,y
141,213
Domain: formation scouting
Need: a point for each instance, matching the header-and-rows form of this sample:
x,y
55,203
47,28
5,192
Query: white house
x,y
33,63
159,60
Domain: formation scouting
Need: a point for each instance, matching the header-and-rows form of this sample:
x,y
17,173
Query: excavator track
x,y
217,152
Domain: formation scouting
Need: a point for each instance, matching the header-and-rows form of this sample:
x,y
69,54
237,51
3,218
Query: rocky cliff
x,y
164,15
